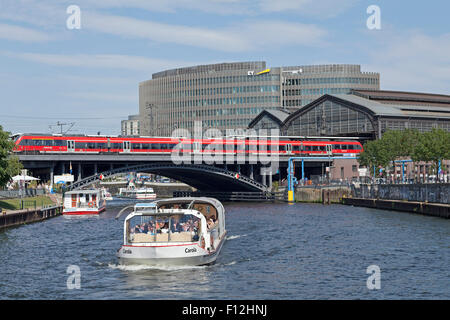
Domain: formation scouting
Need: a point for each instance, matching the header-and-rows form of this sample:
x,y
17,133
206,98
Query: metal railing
x,y
200,167
21,193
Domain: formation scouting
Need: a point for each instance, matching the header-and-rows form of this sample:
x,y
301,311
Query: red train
x,y
37,143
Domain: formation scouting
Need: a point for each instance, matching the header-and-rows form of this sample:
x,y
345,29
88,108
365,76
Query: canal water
x,y
273,251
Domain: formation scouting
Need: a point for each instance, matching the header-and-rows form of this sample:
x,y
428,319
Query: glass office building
x,y
230,95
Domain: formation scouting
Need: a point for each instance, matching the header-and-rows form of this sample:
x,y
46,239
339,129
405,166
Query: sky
x,y
51,72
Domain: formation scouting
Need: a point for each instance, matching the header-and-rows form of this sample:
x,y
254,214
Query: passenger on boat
x,y
165,228
185,227
151,228
211,223
144,228
176,227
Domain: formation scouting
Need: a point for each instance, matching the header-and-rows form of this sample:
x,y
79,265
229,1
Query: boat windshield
x,y
157,228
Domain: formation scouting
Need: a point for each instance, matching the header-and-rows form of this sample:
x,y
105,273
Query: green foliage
x,y
9,164
432,146
409,143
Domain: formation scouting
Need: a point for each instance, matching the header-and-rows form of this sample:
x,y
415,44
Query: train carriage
x,y
35,143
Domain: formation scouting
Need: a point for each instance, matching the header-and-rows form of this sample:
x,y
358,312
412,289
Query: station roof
x,y
403,97
402,110
278,115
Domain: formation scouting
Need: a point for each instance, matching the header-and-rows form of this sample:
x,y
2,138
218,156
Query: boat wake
x,y
235,237
141,267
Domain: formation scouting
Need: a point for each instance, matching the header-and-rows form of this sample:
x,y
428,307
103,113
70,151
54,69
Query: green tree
x,y
372,155
393,145
9,164
433,146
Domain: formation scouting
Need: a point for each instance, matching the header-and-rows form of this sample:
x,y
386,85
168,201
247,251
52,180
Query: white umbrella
x,y
24,178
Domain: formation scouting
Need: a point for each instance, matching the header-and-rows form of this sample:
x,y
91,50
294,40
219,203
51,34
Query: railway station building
x,y
366,114
362,114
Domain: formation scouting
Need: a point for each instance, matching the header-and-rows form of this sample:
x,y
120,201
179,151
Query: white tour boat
x,y
176,231
145,193
80,202
106,194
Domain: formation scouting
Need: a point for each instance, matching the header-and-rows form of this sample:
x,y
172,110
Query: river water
x,y
273,251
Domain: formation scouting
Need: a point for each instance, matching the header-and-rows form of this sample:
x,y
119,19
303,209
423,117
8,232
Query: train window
x,y
308,148
101,145
25,142
59,143
358,147
136,146
80,145
156,146
282,147
296,148
116,145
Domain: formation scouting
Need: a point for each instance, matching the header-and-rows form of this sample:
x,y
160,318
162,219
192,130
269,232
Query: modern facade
x,y
130,127
230,95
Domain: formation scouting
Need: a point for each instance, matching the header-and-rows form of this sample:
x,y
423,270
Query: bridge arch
x,y
202,177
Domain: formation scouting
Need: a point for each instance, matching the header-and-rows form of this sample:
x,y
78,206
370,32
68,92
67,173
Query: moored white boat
x,y
82,202
106,194
145,193
177,231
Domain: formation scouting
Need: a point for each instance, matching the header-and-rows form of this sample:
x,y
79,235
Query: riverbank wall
x,y
426,208
19,217
423,192
431,199
321,194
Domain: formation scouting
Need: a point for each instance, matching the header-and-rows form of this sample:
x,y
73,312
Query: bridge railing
x,y
201,167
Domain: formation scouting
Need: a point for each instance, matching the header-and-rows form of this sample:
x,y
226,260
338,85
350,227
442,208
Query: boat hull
x,y
70,212
168,255
146,196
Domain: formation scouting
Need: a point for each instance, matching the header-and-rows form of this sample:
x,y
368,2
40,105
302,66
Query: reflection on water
x,y
273,251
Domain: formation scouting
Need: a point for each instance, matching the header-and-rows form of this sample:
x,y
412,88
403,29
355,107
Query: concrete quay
x,y
441,210
19,217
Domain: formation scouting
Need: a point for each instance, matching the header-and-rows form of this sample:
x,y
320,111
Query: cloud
x,y
162,32
230,7
237,36
242,36
413,62
112,61
39,13
16,33
130,98
319,8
